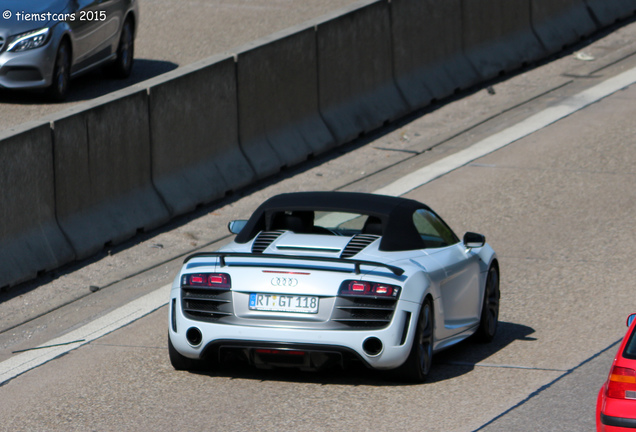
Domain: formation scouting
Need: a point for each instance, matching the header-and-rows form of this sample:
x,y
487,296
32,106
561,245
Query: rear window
x,y
343,223
630,347
325,222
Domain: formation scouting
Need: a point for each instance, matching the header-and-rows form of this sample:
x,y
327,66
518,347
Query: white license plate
x,y
283,303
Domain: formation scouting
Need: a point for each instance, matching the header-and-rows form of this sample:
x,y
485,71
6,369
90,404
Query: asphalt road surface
x,y
557,204
172,34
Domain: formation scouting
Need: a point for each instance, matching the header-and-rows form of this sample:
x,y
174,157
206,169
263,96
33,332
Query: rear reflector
x,y
279,352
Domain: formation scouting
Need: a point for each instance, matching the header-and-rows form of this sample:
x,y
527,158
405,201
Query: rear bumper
x,y
339,345
618,422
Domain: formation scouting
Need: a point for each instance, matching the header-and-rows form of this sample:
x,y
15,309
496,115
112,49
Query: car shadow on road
x,y
91,85
463,357
448,364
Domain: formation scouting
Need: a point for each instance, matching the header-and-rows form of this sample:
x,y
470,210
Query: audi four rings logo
x,y
284,282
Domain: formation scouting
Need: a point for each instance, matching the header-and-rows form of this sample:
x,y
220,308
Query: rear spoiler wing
x,y
356,263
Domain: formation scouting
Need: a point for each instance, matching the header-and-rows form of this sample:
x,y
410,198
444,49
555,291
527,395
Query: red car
x,y
616,403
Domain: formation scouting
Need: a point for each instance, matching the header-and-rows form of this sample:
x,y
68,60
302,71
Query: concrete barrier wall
x,y
30,239
280,123
129,161
498,36
357,91
103,185
560,23
608,12
429,62
194,135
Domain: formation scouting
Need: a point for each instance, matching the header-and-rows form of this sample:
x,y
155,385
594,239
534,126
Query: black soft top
x,y
395,214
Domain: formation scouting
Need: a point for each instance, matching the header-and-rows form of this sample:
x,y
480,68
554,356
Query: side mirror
x,y
631,319
473,240
236,226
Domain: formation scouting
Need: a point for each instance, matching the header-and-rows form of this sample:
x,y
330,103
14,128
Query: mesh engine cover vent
x,y
357,244
264,239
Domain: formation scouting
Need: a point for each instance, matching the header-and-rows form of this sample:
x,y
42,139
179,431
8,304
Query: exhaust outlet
x,y
194,336
372,346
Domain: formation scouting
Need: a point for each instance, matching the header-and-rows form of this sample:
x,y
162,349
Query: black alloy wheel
x,y
418,364
122,67
490,309
58,90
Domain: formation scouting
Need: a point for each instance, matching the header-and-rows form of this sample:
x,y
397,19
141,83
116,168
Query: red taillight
x,y
217,279
196,280
360,287
380,289
622,383
211,280
363,288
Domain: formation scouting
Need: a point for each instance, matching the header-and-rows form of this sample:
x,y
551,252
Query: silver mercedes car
x,y
45,43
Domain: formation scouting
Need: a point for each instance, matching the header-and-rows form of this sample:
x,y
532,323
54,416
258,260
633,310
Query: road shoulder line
x,y
120,317
514,133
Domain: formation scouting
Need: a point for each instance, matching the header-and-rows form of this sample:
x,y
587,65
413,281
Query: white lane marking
x,y
501,139
126,314
504,366
108,323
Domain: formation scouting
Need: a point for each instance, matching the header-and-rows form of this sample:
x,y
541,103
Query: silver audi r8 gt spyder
x,y
315,279
44,43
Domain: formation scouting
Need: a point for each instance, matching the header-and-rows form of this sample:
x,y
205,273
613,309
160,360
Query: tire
x,y
122,66
418,364
181,362
58,90
490,309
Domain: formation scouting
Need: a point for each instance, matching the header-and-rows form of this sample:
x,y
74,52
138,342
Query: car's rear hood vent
x,y
264,239
358,243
